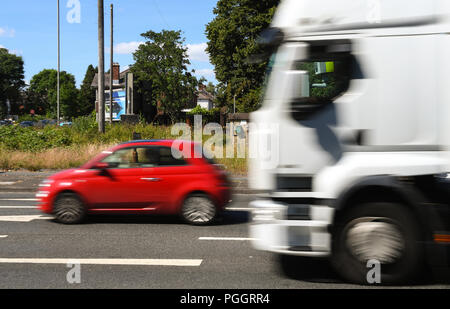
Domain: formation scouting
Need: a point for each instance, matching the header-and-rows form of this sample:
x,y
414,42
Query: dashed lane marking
x,y
18,207
23,218
19,199
128,262
226,238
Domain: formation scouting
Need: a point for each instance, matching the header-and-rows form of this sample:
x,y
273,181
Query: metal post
x,y
101,68
59,70
111,70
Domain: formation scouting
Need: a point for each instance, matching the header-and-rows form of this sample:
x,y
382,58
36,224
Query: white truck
x,y
356,118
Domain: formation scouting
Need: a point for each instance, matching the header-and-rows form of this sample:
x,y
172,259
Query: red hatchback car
x,y
139,177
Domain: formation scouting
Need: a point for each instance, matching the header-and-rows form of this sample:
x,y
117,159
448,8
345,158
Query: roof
x,y
94,83
205,95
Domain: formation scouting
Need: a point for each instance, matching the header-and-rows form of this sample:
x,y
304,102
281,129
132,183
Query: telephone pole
x,y
101,68
58,97
111,67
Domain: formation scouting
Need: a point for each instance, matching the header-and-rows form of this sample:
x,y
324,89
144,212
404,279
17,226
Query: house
x,y
204,98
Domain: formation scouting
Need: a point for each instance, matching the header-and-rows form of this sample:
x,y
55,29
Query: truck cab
x,y
352,138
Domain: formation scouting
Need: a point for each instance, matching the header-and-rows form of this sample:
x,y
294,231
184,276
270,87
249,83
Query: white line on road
x,y
3,236
130,262
238,209
7,183
19,199
226,238
23,218
18,207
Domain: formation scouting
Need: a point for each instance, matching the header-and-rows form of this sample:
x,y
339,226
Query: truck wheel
x,y
69,209
198,209
377,235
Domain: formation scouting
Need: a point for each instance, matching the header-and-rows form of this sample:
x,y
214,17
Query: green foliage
x,y
86,95
32,140
232,41
43,88
11,79
207,115
82,132
161,72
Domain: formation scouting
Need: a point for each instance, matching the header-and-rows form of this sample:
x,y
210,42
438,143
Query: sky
x,y
28,28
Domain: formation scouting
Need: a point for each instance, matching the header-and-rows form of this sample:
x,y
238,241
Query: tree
x,y
87,95
43,88
232,41
11,79
161,72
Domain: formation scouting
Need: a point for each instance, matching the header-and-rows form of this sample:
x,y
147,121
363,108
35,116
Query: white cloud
x,y
197,52
6,32
205,73
13,51
126,48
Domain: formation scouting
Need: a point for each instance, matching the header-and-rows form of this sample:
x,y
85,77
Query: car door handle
x,y
152,179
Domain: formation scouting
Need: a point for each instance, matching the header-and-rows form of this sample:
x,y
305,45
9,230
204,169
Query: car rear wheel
x,y
69,209
198,209
377,235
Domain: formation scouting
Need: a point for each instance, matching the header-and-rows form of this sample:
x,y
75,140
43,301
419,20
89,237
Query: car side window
x,y
143,157
123,159
167,158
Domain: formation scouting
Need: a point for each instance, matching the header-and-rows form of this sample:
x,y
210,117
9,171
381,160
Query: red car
x,y
139,177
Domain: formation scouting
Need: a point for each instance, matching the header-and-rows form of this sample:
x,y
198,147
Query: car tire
x,y
386,234
198,209
69,209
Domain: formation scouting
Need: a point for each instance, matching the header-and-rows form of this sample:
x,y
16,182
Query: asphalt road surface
x,y
149,252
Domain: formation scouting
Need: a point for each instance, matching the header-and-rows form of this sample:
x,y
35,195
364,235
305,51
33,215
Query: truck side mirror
x,y
298,84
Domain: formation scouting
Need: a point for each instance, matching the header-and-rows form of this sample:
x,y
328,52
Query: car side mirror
x,y
101,166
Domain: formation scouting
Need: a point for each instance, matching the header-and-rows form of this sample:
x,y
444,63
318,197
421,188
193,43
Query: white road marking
x,y
226,238
130,262
7,183
19,199
18,207
23,218
238,209
3,236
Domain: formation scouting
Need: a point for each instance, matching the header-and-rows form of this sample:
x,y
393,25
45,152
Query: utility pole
x,y
58,97
111,69
101,68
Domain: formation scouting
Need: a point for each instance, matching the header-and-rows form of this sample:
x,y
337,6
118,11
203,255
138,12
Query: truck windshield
x,y
328,78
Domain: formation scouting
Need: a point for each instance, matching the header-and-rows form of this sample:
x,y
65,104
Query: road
x,y
141,252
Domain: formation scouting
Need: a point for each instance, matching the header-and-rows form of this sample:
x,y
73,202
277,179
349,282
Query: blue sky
x,y
28,28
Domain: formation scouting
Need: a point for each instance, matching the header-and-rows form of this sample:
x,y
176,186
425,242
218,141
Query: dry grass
x,y
56,158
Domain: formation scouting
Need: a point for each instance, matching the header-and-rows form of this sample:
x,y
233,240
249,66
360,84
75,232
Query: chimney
x,y
116,73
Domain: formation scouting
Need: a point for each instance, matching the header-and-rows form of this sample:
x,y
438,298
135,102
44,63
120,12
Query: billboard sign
x,y
119,104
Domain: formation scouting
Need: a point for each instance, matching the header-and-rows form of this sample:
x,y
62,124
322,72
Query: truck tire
x,y
377,235
198,209
69,209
